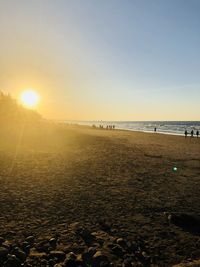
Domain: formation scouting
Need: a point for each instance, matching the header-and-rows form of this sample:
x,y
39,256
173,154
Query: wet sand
x,y
87,188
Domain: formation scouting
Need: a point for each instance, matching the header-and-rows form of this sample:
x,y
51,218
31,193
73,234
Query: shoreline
x,y
132,130
176,128
152,132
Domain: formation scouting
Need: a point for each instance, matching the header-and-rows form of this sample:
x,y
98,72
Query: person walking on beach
x,y
192,133
197,133
186,133
155,130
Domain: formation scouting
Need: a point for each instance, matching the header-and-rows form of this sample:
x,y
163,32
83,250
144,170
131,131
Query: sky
x,y
103,59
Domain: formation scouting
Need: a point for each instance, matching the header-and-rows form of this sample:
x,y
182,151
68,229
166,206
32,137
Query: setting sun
x,y
29,98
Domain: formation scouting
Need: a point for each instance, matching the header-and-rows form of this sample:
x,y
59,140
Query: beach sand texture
x,y
87,187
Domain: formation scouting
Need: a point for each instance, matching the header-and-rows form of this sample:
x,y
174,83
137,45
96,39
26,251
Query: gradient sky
x,y
104,59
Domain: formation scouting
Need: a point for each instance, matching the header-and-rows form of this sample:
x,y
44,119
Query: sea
x,y
165,127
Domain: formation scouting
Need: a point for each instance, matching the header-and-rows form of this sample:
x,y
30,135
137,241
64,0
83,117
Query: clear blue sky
x,y
104,59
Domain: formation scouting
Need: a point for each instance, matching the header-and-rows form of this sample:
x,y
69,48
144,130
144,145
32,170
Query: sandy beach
x,y
88,191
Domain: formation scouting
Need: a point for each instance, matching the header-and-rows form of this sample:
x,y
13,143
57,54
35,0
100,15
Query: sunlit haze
x,y
103,60
29,98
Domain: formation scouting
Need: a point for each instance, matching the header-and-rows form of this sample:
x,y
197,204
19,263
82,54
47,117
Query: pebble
x,y
86,235
6,244
35,254
51,262
88,255
3,252
20,254
71,255
69,263
98,259
127,263
60,255
121,242
1,240
12,261
30,239
53,242
118,251
80,262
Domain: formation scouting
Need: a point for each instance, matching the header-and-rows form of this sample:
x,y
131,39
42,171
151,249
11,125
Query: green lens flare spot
x,y
174,169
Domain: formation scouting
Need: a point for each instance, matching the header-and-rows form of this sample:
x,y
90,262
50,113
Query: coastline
x,y
132,130
163,127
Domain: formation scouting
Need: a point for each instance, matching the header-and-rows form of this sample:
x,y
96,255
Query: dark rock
x,y
105,226
27,249
186,221
121,242
12,261
87,256
53,242
1,240
3,252
92,250
118,251
131,246
105,264
110,245
43,246
10,234
127,263
71,255
60,255
51,263
86,236
69,262
7,244
80,262
25,244
44,263
30,240
98,259
20,254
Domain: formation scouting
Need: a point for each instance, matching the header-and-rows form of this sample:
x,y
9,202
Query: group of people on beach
x,y
110,127
186,133
107,127
192,133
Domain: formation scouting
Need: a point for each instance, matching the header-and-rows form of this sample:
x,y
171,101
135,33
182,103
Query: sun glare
x,y
29,98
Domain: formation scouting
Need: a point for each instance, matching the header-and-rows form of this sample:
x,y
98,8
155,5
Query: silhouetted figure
x,y
107,127
197,133
155,130
192,133
113,127
186,133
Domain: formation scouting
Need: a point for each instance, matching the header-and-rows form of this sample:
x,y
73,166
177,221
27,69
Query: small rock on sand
x,y
98,259
3,252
